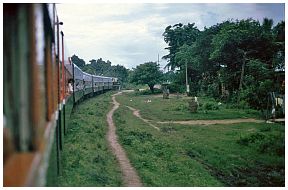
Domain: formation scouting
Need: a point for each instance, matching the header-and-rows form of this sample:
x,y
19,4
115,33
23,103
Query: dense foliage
x,y
176,36
148,73
234,60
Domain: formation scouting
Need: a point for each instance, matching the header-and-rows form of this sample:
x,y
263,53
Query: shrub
x,y
167,129
213,90
180,107
173,87
250,139
210,106
148,92
141,136
128,140
272,143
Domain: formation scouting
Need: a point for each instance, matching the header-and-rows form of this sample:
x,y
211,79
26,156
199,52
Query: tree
x,y
208,69
177,36
239,56
239,42
251,52
78,61
101,67
279,40
184,57
148,73
120,72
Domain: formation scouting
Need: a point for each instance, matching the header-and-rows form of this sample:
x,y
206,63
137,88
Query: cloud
x,y
131,34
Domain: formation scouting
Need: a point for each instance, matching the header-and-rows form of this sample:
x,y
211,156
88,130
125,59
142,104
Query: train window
x,y
68,75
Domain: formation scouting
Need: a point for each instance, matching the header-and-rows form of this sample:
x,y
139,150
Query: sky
x,y
131,34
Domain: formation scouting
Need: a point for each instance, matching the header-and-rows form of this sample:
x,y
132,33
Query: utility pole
x,y
242,71
187,85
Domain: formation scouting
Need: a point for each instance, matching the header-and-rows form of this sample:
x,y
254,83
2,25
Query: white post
x,y
187,85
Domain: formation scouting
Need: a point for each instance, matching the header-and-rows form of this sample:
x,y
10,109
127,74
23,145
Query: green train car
x,y
41,86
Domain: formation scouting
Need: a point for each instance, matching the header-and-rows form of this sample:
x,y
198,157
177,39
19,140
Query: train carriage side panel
x,y
87,78
78,83
28,108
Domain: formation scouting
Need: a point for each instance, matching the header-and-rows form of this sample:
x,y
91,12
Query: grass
x,y
86,157
156,158
52,179
246,154
177,109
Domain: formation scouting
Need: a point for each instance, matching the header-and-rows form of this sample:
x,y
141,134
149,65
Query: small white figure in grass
x,y
130,100
273,112
219,103
196,100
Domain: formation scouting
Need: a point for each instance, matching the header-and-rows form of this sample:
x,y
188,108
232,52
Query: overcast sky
x,y
131,34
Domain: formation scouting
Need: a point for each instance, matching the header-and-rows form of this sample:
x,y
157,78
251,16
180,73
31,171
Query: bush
x,y
243,104
180,107
272,143
128,140
141,136
213,90
173,87
256,95
210,106
148,92
251,139
167,129
131,86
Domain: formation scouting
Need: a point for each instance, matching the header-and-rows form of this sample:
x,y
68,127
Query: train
x,y
41,85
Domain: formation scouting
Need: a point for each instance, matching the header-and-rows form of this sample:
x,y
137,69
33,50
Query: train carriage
x,y
105,83
41,85
87,78
30,97
78,83
97,83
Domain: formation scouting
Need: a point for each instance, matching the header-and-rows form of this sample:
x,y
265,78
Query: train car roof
x,y
98,76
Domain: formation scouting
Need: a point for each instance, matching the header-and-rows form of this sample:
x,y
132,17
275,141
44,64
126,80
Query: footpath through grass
x,y
177,109
246,154
86,157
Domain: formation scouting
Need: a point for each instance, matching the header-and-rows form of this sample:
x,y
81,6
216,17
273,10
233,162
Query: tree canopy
x,y
78,61
176,36
148,73
240,57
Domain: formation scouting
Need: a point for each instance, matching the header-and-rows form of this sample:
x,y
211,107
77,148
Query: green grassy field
x,y
245,154
177,109
86,157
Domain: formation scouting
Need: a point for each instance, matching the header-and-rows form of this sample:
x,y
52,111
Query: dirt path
x,y
196,122
213,122
130,177
137,114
